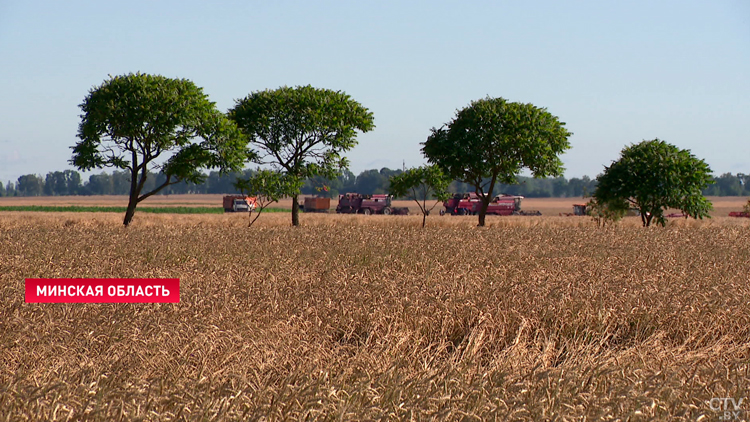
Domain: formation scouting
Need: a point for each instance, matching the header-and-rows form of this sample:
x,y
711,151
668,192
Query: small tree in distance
x,y
141,123
421,183
602,214
654,176
267,187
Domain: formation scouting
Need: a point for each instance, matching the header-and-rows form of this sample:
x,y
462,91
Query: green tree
x,y
73,182
420,184
66,182
99,184
322,187
30,185
603,214
267,186
139,122
54,183
10,189
728,185
222,183
371,182
492,140
654,176
347,180
120,182
302,131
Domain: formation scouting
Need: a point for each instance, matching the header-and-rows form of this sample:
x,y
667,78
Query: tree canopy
x,y
492,140
654,176
140,122
301,131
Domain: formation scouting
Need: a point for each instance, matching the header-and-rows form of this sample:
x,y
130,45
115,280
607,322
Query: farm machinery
x,y
586,209
355,203
239,203
471,204
578,210
744,213
315,204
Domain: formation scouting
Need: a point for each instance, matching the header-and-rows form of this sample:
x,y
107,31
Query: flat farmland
x,y
548,206
373,318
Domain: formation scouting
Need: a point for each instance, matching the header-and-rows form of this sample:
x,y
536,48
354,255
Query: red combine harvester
x,y
471,203
739,214
354,203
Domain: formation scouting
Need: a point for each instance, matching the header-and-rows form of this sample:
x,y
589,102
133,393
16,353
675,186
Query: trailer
x,y
355,203
315,204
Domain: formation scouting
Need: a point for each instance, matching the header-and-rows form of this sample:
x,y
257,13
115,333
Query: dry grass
x,y
350,317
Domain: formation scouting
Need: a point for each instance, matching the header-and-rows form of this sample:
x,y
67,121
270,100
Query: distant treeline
x,y
69,182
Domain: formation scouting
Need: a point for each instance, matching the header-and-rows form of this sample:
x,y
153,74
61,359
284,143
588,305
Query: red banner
x,y
102,290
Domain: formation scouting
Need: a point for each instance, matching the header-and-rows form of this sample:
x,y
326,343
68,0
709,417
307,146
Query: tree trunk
x,y
295,211
483,211
133,200
130,212
486,198
424,218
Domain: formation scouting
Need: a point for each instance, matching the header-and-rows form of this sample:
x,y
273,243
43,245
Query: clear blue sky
x,y
616,72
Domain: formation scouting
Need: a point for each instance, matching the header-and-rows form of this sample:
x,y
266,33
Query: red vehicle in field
x,y
239,203
316,204
471,203
354,203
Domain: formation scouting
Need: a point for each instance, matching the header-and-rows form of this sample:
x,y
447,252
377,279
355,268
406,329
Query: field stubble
x,y
353,317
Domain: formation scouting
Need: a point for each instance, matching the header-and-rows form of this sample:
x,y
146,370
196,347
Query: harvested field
x,y
354,317
548,206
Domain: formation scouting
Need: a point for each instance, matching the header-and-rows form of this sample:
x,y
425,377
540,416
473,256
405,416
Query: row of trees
x,y
492,140
69,182
143,124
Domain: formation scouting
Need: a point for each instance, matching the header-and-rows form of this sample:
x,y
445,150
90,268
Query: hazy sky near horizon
x,y
615,72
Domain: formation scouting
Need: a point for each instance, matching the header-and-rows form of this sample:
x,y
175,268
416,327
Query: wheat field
x,y
374,318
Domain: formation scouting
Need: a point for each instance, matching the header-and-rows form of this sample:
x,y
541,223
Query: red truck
x,y
471,203
354,203
239,203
